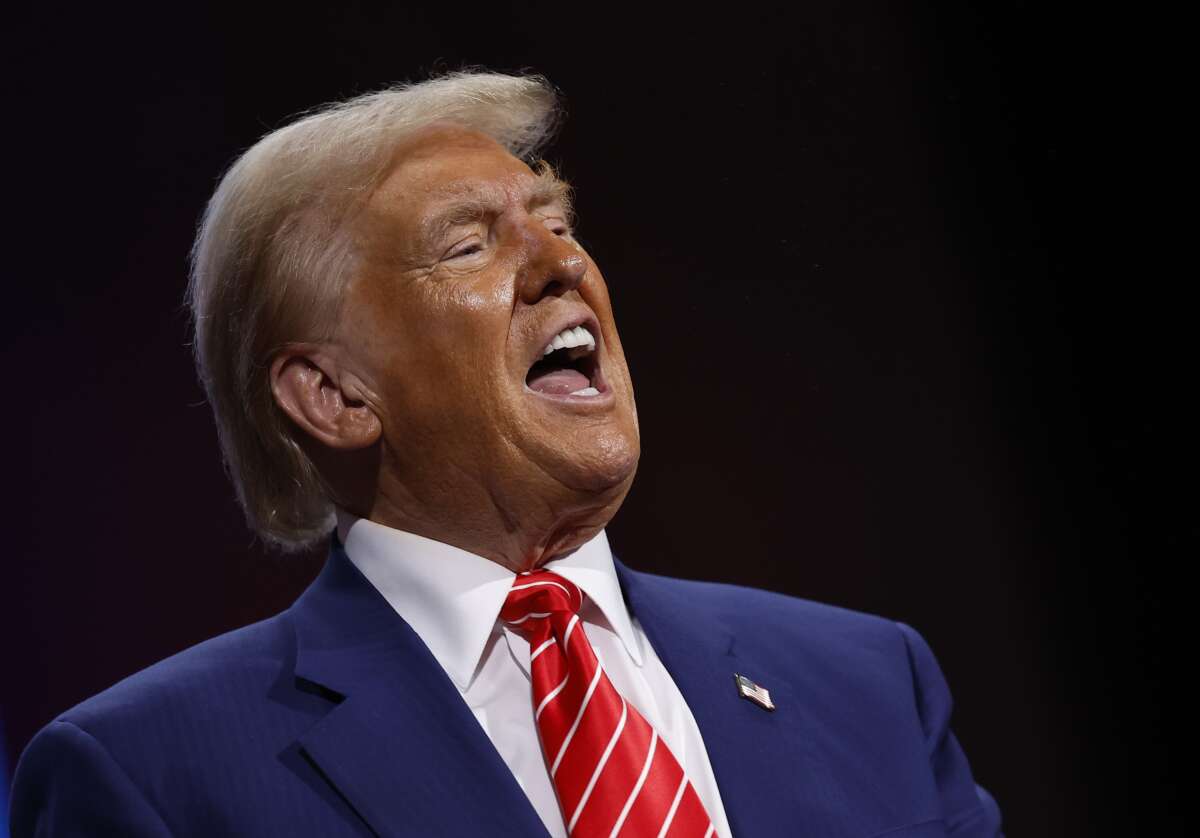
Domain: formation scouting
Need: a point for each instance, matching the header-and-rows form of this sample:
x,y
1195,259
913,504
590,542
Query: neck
x,y
517,530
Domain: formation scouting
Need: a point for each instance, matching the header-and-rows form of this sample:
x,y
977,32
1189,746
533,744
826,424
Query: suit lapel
x,y
401,746
755,754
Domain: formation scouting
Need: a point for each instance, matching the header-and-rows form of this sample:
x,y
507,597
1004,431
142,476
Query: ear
x,y
307,386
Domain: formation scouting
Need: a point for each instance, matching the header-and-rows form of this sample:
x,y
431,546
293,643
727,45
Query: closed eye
x,y
558,227
463,249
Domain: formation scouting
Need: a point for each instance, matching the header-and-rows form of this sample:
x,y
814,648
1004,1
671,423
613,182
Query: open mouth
x,y
568,367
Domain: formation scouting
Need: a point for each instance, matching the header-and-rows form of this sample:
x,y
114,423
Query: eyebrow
x,y
545,189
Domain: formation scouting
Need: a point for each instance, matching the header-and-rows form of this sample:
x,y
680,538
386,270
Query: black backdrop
x,y
853,257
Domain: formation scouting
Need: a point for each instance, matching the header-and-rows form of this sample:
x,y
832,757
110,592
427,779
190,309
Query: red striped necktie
x,y
613,774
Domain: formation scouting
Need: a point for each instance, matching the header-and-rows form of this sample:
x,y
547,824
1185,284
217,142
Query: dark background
x,y
890,350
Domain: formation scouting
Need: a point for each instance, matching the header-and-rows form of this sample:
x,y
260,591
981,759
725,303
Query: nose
x,y
554,265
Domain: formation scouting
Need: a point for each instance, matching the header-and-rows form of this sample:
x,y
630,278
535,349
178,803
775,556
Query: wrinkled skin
x,y
417,411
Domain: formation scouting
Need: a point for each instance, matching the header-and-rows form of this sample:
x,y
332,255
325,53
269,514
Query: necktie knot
x,y
537,597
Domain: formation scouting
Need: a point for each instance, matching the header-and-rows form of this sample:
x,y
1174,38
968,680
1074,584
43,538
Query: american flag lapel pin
x,y
749,690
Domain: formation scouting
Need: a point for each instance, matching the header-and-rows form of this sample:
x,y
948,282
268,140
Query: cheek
x,y
452,310
476,314
461,341
479,301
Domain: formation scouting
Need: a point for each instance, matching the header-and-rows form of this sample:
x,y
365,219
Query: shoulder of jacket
x,y
738,605
185,680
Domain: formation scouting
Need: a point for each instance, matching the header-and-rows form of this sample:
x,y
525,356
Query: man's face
x,y
468,273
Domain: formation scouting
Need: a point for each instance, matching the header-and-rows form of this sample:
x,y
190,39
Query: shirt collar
x,y
451,598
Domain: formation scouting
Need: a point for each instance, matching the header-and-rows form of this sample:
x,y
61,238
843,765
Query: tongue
x,y
558,381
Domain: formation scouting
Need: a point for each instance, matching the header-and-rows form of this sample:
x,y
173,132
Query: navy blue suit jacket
x,y
333,719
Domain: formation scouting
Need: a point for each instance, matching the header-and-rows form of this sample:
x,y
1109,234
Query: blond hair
x,y
269,265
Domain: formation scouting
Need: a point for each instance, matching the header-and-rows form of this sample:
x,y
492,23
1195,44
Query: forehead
x,y
445,163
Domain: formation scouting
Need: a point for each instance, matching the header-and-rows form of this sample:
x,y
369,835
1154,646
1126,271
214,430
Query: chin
x,y
609,466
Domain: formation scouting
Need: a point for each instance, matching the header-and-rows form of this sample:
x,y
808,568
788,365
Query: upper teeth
x,y
568,338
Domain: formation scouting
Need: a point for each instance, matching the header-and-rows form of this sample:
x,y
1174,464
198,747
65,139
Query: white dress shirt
x,y
452,598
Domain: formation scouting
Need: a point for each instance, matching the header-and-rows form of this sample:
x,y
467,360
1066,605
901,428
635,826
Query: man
x,y
405,346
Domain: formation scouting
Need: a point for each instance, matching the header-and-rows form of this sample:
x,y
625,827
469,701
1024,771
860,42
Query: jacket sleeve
x,y
67,784
968,810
